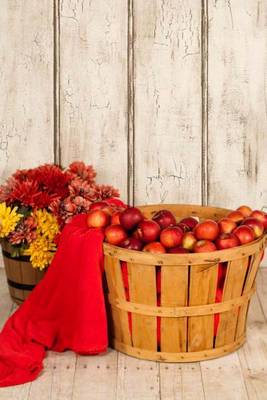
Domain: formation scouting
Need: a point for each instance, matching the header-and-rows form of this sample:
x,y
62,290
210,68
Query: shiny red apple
x,y
226,225
236,216
147,231
131,217
244,233
184,227
115,218
256,225
171,236
98,205
115,234
154,247
189,241
132,243
245,211
178,250
191,222
204,246
226,241
164,218
97,218
207,230
261,216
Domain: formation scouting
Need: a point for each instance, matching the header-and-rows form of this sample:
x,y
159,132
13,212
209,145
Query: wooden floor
x,y
241,375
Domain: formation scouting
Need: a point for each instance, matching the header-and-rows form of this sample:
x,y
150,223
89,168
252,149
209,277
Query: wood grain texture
x,y
237,97
252,355
93,87
137,379
167,95
203,282
174,288
26,84
176,382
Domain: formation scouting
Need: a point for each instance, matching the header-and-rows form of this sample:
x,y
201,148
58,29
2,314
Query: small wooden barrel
x,y
184,321
21,276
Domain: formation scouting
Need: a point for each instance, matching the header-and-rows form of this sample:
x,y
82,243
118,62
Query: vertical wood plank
x,y
93,87
167,108
137,379
223,378
252,355
176,381
26,82
174,287
237,65
96,377
142,287
202,290
233,286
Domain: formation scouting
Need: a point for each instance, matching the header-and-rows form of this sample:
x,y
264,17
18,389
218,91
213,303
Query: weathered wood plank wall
x,y
167,98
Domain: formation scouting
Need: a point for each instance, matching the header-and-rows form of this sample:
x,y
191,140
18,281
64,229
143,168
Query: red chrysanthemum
x,y
80,169
51,179
105,192
25,232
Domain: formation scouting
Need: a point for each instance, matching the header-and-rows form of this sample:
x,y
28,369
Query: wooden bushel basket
x,y
188,304
21,276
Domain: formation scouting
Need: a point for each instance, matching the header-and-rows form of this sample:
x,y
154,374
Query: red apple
x,y
131,217
178,250
115,218
137,234
227,240
244,233
115,234
164,218
184,227
207,230
256,225
171,236
204,246
132,243
97,219
226,225
261,216
245,211
191,222
98,205
148,231
236,216
189,241
154,247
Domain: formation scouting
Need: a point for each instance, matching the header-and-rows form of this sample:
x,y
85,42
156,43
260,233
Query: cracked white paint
x,y
93,59
26,84
167,78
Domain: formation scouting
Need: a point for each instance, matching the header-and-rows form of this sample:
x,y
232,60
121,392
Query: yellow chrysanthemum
x,y
8,219
46,224
41,250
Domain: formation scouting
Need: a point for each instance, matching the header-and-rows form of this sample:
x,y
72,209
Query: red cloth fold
x,y
66,310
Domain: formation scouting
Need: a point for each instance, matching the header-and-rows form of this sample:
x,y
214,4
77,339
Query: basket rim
x,y
214,257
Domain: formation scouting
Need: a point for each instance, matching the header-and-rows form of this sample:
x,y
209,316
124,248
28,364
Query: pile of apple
x,y
128,228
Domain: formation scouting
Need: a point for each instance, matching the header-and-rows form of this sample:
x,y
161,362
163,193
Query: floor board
x,y
238,376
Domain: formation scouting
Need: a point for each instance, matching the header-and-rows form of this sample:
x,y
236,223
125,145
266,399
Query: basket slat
x,y
142,286
116,289
234,281
202,290
250,281
174,285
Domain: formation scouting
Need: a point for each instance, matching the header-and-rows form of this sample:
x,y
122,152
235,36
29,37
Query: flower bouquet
x,y
35,204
